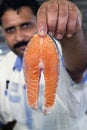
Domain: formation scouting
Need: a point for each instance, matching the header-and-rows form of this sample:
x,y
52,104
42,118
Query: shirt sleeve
x,y
73,96
84,79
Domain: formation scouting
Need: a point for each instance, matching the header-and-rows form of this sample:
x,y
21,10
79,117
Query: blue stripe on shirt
x,y
28,112
18,64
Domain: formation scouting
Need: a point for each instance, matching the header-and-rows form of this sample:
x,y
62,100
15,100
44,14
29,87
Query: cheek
x,y
9,41
31,32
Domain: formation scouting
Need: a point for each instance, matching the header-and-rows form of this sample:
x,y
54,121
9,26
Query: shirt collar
x,y
18,64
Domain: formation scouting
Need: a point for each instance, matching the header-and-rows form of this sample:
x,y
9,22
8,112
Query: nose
x,y
19,35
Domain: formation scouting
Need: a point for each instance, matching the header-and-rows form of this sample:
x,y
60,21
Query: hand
x,y
58,18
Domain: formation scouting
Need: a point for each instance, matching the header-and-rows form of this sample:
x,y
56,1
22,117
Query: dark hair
x,y
17,4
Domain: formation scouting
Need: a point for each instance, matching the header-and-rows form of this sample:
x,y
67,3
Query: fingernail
x,y
59,36
42,32
69,35
51,33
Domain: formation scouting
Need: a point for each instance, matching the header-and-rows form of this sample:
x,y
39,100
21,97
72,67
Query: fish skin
x,y
41,54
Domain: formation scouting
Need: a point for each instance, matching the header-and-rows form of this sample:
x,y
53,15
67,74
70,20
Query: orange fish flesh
x,y
41,54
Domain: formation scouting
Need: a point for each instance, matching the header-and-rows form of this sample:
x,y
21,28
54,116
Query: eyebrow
x,y
25,23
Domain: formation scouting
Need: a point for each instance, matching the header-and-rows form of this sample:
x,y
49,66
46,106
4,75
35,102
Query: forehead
x,y
12,17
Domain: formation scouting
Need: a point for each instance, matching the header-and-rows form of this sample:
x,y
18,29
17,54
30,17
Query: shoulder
x,y
8,60
6,65
9,57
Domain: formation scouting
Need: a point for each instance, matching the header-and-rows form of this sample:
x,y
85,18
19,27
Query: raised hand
x,y
58,18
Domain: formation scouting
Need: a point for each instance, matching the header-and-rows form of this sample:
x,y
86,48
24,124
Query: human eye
x,y
10,30
27,25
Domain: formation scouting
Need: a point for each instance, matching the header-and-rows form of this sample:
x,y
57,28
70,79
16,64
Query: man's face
x,y
18,28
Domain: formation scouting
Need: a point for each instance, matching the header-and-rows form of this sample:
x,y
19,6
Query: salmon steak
x,y
41,55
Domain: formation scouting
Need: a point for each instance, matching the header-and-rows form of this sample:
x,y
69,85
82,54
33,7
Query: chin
x,y
20,54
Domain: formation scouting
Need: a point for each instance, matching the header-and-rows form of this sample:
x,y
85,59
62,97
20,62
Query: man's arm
x,y
62,19
75,54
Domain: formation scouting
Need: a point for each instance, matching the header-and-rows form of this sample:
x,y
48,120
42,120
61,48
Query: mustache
x,y
21,43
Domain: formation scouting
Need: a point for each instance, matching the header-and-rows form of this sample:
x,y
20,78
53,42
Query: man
x,y
62,20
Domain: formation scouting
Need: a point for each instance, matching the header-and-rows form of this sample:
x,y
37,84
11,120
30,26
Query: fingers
x,y
42,20
58,18
63,16
74,20
47,18
52,17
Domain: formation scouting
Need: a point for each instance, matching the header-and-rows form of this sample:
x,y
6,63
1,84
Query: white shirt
x,y
69,109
